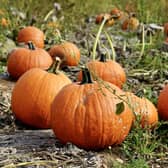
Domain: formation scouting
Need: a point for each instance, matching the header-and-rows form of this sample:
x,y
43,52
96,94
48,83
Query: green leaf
x,y
120,108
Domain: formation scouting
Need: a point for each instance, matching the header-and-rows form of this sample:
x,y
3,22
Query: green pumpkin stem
x,y
86,76
56,65
103,58
31,45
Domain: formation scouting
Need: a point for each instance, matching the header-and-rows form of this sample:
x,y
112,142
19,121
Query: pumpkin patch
x,y
83,84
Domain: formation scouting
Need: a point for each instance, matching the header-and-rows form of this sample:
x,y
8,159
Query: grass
x,y
141,145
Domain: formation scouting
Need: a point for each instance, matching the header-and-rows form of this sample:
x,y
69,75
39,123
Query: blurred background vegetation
x,y
68,15
75,11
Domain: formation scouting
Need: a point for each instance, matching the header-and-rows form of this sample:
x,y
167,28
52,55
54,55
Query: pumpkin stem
x,y
56,65
31,45
86,76
103,58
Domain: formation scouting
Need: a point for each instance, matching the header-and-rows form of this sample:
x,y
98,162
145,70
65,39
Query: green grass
x,y
137,163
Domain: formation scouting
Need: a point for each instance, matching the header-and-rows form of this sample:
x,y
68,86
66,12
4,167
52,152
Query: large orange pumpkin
x,y
68,52
31,33
143,108
163,104
85,114
22,59
107,70
33,94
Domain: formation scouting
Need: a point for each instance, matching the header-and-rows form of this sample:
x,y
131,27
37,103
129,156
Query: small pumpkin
x,y
116,13
166,29
68,53
143,108
166,40
107,70
22,59
99,18
130,23
33,94
162,104
84,113
4,22
31,33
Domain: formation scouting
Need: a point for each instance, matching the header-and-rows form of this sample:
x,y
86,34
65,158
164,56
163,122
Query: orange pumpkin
x,y
100,17
68,52
143,108
22,59
4,22
116,13
33,94
31,33
85,114
130,23
107,70
166,41
162,103
166,29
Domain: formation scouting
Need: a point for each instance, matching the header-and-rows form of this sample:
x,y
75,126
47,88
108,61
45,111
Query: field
x,y
143,53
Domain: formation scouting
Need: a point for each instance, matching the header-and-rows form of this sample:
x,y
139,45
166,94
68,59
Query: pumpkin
x,y
166,40
4,22
166,29
107,70
144,109
162,104
130,23
85,114
31,33
100,17
33,94
116,13
68,52
22,59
